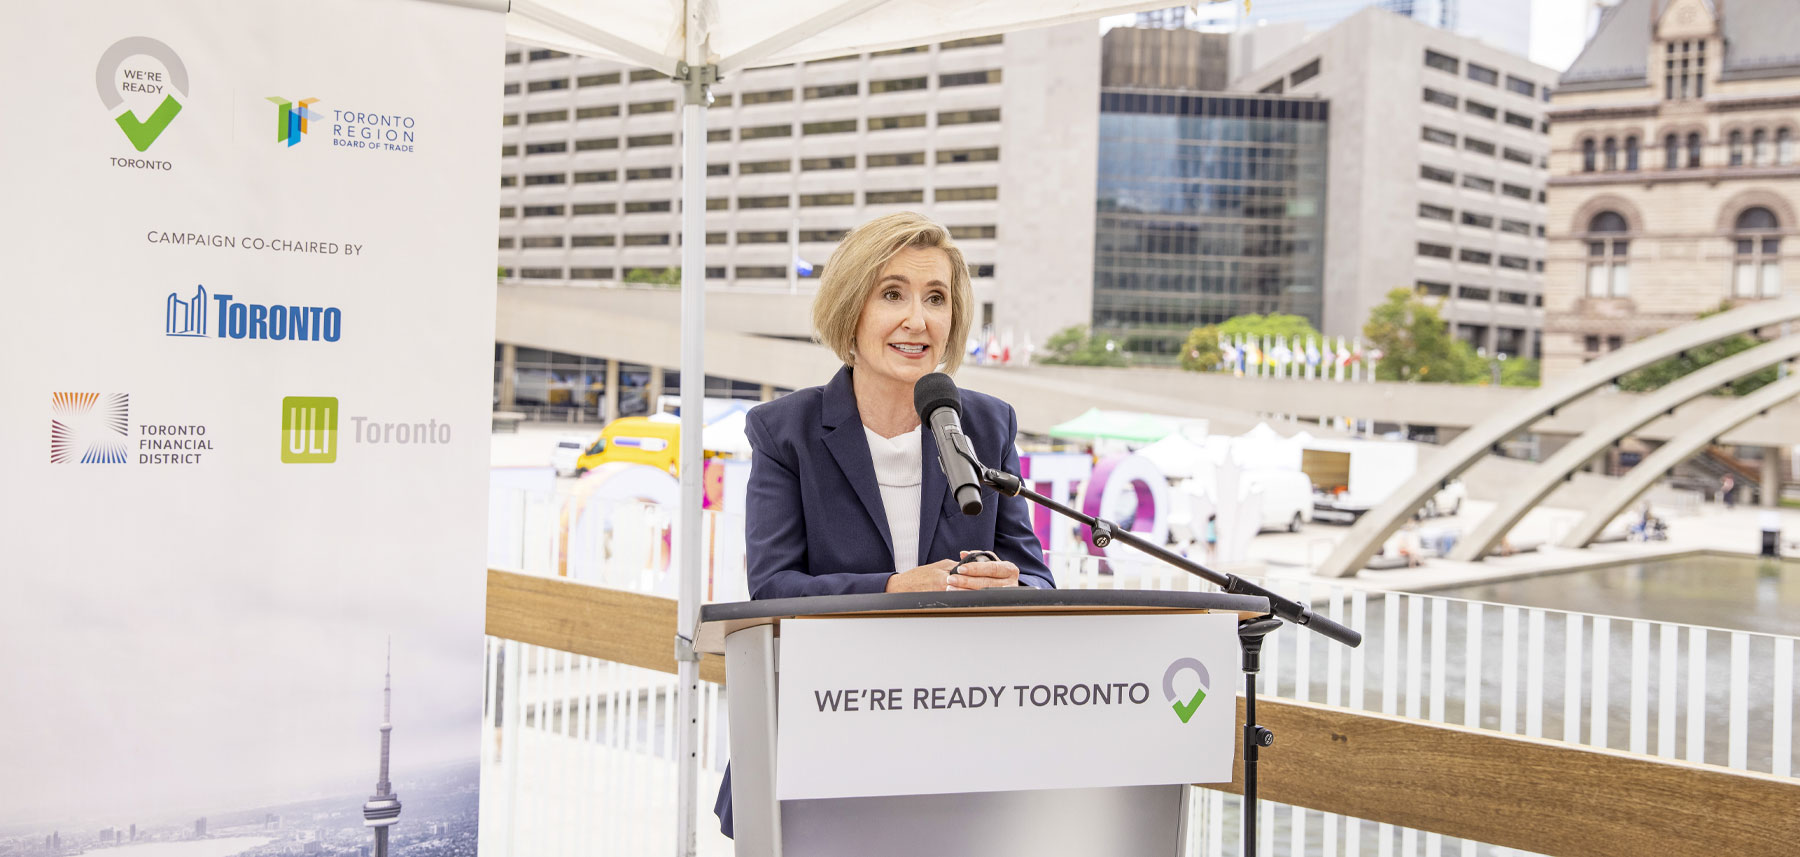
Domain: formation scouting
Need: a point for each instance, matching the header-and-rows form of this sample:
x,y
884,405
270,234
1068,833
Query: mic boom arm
x,y
1105,532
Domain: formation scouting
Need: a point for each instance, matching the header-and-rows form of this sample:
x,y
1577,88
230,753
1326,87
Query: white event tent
x,y
696,43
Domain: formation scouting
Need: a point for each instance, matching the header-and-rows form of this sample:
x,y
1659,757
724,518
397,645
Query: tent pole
x,y
695,78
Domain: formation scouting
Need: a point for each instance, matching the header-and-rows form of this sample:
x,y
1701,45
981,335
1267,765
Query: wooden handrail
x,y
1545,796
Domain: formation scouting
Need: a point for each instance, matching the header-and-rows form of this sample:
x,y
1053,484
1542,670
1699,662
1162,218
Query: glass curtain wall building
x,y
1208,207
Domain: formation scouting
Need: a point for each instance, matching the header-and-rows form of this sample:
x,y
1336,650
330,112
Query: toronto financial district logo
x,y
122,69
309,429
293,119
1185,710
89,428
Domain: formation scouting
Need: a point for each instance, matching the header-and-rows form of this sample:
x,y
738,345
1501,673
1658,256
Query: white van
x,y
567,453
1287,498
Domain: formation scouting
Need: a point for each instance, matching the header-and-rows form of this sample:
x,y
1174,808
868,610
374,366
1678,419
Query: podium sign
x,y
1004,703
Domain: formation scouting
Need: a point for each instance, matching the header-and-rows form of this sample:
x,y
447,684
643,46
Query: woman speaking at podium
x,y
845,494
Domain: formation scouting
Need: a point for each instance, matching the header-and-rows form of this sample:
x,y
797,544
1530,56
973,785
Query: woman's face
x,y
905,323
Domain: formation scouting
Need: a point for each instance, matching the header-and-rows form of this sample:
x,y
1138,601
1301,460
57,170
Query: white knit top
x,y
900,473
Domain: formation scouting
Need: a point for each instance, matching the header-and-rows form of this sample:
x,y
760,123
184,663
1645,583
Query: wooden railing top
x,y
1545,796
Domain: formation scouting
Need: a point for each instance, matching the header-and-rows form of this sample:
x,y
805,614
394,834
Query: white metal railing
x,y
582,759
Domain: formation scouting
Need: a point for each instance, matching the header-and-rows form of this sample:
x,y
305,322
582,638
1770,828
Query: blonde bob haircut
x,y
855,267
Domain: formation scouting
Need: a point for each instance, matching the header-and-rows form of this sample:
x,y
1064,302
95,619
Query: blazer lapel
x,y
850,449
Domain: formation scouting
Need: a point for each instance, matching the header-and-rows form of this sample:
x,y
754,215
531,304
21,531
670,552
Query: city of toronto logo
x,y
309,429
1185,710
293,119
89,428
186,317
114,77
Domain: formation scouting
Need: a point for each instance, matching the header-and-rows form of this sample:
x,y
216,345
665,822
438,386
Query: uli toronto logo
x,y
1185,710
122,69
309,433
89,428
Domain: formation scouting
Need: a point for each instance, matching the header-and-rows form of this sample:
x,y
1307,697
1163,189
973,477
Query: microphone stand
x,y
1250,631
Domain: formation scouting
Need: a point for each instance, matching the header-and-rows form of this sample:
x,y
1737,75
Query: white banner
x,y
249,248
932,705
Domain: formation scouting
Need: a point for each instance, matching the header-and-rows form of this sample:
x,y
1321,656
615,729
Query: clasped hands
x,y
937,576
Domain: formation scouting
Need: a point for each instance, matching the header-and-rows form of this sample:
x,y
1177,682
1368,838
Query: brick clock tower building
x,y
1675,171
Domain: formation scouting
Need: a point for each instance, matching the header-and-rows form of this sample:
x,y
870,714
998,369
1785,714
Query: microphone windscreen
x,y
936,391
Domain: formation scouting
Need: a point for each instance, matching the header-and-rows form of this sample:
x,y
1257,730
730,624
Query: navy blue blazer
x,y
814,520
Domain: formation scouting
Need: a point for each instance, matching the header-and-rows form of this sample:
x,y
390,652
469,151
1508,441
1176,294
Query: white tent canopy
x,y
736,36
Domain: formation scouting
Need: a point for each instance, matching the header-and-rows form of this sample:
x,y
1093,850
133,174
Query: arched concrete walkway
x,y
1676,450
1641,412
1375,526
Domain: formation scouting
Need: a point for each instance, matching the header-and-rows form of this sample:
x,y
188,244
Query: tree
x,y
1200,353
654,276
1075,346
1520,372
1416,344
1657,374
1294,327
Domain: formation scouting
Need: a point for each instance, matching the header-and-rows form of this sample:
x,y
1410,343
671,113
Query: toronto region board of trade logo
x,y
309,429
293,119
1185,710
89,428
122,69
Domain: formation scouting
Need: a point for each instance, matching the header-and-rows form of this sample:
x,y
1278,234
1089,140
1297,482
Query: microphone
x,y
940,407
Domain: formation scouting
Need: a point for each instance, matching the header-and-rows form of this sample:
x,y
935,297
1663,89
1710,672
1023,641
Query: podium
x,y
999,722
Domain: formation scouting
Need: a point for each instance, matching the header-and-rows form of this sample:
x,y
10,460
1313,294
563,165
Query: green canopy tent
x,y
1127,426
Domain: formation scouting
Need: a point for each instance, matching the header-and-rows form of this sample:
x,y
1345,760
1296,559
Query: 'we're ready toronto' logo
x,y
1185,702
137,69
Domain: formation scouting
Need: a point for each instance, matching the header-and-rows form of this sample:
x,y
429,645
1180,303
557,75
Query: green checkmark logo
x,y
1185,711
142,134
141,64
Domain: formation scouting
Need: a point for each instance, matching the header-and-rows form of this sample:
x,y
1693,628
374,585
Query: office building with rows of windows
x,y
799,154
1438,162
1504,24
1675,173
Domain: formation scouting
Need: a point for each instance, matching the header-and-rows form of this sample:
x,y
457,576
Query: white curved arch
x,y
1375,526
1678,449
1643,411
